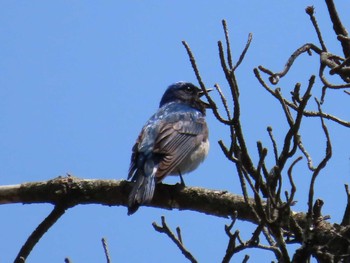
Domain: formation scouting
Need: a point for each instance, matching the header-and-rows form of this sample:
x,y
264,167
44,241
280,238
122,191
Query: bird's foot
x,y
182,182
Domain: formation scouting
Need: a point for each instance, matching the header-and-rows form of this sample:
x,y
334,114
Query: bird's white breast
x,y
194,159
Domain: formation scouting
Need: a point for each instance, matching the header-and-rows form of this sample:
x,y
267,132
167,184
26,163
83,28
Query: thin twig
x,y
291,181
274,143
42,228
268,236
241,57
338,27
106,250
242,181
232,239
294,128
321,165
179,236
227,152
323,94
295,107
340,67
223,100
246,258
310,11
296,94
253,242
307,155
228,45
227,110
201,83
346,217
327,83
274,77
228,74
231,79
166,230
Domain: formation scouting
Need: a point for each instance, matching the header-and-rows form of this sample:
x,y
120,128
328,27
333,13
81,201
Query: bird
x,y
174,141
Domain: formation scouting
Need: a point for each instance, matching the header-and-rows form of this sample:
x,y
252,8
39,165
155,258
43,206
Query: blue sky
x,y
79,79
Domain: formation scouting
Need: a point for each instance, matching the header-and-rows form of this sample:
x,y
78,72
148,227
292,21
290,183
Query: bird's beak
x,y
201,93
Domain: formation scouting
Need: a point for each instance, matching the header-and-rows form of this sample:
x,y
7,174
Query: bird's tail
x,y
142,191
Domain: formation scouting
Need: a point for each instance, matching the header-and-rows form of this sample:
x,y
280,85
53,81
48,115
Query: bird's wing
x,y
133,162
176,139
143,147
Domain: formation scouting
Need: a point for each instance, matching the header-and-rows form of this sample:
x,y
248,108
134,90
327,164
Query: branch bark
x,y
338,27
75,191
72,191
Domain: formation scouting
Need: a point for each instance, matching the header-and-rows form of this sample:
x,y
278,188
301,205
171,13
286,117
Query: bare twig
x,y
330,85
261,169
274,77
235,121
262,156
246,258
338,27
253,242
268,236
241,57
296,94
232,239
307,155
295,107
346,217
179,235
242,181
230,77
291,181
232,248
106,250
321,165
310,11
229,153
178,241
274,143
34,238
228,45
201,83
223,100
341,67
294,128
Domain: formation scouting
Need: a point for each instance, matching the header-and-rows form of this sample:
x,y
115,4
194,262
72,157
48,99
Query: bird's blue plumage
x,y
173,141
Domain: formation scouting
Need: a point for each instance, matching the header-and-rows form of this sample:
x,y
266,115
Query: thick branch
x,y
74,191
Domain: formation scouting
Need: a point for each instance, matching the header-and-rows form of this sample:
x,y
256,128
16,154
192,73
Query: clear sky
x,y
79,79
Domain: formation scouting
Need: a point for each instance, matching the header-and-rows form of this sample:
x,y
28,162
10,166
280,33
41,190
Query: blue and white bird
x,y
174,141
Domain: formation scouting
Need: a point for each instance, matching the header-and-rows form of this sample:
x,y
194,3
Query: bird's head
x,y
187,93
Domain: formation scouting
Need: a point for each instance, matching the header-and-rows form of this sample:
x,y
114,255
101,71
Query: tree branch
x,y
346,217
37,234
106,250
295,107
338,27
177,240
115,193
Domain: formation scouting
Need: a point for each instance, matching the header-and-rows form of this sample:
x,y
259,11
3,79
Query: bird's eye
x,y
188,89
